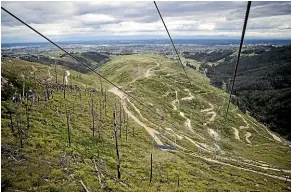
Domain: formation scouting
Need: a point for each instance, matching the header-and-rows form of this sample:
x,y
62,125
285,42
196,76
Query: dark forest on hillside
x,y
262,86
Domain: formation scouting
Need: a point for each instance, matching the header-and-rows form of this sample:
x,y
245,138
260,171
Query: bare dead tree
x,y
105,103
126,126
116,143
98,126
92,112
68,126
19,130
27,116
100,108
151,171
120,120
35,84
84,186
64,86
101,88
11,121
23,89
56,73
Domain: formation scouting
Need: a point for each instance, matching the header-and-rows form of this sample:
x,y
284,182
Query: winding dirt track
x,y
210,112
275,137
175,101
152,132
247,124
149,70
248,135
33,70
188,98
236,133
49,73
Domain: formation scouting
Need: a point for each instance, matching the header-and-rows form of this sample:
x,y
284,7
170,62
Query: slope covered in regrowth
x,y
194,148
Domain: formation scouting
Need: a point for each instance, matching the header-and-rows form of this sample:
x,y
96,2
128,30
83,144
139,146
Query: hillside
x,y
92,59
193,147
262,85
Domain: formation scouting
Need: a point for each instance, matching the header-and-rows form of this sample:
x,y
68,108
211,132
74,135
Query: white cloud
x,y
100,18
209,27
94,18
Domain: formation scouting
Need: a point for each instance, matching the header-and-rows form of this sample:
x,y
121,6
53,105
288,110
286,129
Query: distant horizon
x,y
214,39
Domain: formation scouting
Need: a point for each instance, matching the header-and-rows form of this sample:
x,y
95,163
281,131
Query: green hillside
x,y
193,147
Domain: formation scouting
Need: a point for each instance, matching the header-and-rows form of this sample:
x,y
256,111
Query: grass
x,y
46,163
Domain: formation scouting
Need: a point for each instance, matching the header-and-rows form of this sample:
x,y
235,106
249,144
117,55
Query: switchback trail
x,y
49,73
236,133
149,70
248,135
152,132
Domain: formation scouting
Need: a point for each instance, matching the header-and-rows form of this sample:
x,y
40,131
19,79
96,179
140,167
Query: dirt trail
x,y
188,121
49,73
188,98
208,109
134,80
188,125
247,124
214,134
248,135
166,94
199,146
34,70
152,132
236,133
209,112
175,101
275,137
241,168
258,164
149,70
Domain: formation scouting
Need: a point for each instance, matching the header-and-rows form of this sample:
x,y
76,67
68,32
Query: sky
x,y
103,20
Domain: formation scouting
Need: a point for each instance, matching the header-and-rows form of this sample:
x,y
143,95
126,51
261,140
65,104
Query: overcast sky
x,y
71,21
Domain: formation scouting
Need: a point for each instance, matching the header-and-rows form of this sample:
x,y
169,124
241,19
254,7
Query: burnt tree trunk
x,y
56,73
92,112
116,145
101,88
105,100
120,120
27,116
151,171
68,126
64,86
100,108
126,126
11,122
19,129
